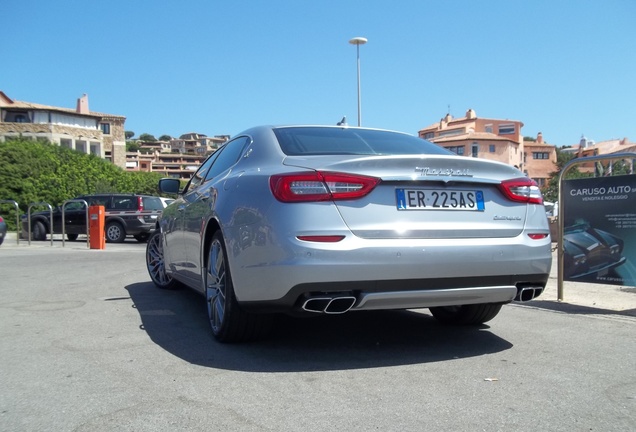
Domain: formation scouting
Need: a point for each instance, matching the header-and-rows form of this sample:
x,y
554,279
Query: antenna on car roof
x,y
343,122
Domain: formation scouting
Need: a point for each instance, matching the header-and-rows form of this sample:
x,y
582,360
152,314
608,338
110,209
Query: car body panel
x,y
376,215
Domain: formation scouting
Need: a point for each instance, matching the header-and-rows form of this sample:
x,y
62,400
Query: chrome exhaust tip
x,y
528,293
329,305
340,305
316,304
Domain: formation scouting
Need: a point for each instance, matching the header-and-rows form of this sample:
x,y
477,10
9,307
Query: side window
x,y
152,203
98,200
229,155
123,203
74,206
199,176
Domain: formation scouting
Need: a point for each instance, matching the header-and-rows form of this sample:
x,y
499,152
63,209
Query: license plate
x,y
431,199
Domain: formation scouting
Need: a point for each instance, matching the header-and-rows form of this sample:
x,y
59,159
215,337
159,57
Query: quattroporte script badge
x,y
427,171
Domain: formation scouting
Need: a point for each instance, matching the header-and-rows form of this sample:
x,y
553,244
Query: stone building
x,y
79,129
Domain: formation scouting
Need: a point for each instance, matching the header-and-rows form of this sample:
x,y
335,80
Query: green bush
x,y
35,171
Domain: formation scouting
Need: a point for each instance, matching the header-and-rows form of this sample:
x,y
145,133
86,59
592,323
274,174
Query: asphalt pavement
x,y
87,344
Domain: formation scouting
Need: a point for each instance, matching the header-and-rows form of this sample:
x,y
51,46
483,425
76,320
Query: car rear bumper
x,y
406,275
404,294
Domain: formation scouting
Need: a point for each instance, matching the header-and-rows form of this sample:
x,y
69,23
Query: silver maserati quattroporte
x,y
335,219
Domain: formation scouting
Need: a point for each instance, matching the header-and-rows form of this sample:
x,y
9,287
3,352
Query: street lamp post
x,y
357,41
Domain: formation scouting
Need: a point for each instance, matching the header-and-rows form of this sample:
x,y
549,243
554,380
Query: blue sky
x,y
562,67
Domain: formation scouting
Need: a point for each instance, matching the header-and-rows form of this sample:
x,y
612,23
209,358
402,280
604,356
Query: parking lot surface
x,y
88,344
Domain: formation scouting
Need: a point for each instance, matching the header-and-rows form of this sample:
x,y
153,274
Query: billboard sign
x,y
599,230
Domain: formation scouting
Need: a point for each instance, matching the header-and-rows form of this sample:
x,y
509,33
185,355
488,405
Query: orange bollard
x,y
96,233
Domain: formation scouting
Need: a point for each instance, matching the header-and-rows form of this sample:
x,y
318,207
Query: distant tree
x,y
551,191
129,134
147,137
165,138
132,146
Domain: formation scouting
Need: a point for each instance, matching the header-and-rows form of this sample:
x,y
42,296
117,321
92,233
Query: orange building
x,y
494,139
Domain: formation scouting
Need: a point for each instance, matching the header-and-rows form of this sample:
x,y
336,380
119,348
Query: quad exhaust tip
x,y
329,305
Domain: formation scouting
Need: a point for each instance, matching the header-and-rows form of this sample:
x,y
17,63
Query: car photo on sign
x,y
324,220
590,252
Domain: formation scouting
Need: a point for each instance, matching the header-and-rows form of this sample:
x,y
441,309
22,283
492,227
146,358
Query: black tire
x,y
228,321
71,237
474,314
142,237
38,231
115,232
156,265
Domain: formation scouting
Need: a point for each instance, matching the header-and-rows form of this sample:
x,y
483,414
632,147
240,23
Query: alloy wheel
x,y
215,288
155,262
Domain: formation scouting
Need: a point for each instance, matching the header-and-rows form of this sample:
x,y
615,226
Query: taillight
x,y
537,236
140,204
522,190
320,186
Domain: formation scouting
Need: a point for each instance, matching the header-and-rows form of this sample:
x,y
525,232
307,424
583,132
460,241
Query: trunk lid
x,y
426,196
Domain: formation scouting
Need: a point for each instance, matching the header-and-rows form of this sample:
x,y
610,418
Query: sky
x,y
565,68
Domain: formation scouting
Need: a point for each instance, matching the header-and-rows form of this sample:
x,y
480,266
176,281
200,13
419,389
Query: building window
x,y
80,146
540,155
95,148
105,127
459,150
451,132
506,129
491,148
489,128
475,150
429,135
65,142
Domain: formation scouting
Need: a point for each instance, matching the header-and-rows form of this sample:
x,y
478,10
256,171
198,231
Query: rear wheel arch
x,y
211,228
228,321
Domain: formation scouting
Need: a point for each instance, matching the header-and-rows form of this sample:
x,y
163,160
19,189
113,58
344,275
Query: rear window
x,y
152,203
124,203
301,141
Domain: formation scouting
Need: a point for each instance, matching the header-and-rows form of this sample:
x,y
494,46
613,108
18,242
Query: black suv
x,y
125,214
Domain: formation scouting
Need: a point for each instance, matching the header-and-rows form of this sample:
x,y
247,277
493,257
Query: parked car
x,y
551,208
326,220
589,251
3,230
124,214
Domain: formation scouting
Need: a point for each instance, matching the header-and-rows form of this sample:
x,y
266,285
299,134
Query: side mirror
x,y
169,185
